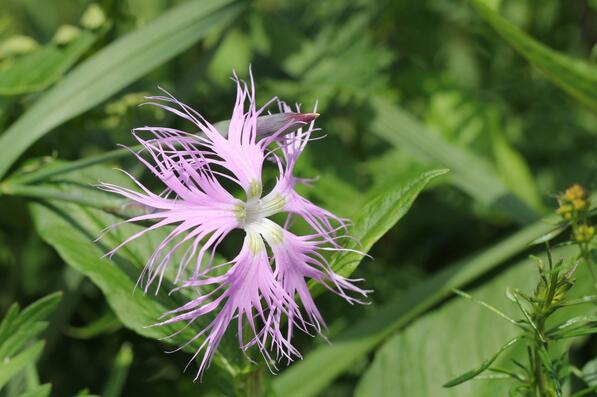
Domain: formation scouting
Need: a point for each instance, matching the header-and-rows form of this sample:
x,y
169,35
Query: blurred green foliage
x,y
402,86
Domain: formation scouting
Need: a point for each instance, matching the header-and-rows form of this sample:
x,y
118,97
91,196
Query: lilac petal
x,y
250,294
203,211
297,260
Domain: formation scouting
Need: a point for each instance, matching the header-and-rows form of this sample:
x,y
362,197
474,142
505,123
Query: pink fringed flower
x,y
258,287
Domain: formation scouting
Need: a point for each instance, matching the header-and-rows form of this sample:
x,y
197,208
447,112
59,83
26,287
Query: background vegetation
x,y
502,93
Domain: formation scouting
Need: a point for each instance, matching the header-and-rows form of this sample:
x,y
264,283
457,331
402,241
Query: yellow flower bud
x,y
579,204
574,192
584,233
565,211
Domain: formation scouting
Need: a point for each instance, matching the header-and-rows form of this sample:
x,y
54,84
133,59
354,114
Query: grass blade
x,y
575,76
470,173
112,69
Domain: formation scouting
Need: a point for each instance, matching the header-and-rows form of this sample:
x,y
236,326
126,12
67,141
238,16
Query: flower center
x,y
270,231
255,209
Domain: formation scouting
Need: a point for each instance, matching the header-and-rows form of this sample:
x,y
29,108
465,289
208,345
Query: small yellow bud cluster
x,y
573,202
574,207
584,233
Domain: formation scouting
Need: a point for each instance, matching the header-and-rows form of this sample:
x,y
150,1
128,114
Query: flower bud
x,y
584,233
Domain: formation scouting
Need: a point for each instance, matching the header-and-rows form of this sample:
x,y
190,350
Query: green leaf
x,y
468,172
39,391
515,171
485,365
550,235
105,324
456,337
120,369
589,373
575,76
571,327
72,230
113,68
324,364
37,70
585,392
19,328
379,215
14,365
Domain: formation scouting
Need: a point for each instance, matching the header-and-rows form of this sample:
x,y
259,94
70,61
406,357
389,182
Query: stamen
x,y
255,189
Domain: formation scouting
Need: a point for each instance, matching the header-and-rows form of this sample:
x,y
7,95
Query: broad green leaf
x,y
37,70
456,337
379,215
468,172
113,68
325,363
72,230
12,366
577,77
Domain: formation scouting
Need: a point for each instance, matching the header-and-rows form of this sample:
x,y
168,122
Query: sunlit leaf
x,y
378,215
454,338
468,172
325,363
577,77
37,70
113,68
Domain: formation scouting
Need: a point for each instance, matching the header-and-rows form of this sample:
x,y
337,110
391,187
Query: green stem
x,y
585,254
252,384
541,387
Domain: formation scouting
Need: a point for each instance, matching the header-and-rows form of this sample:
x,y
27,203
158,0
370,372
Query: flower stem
x,y
585,254
251,384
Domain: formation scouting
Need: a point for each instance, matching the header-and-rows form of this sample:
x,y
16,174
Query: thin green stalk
x,y
540,385
251,384
586,255
540,381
